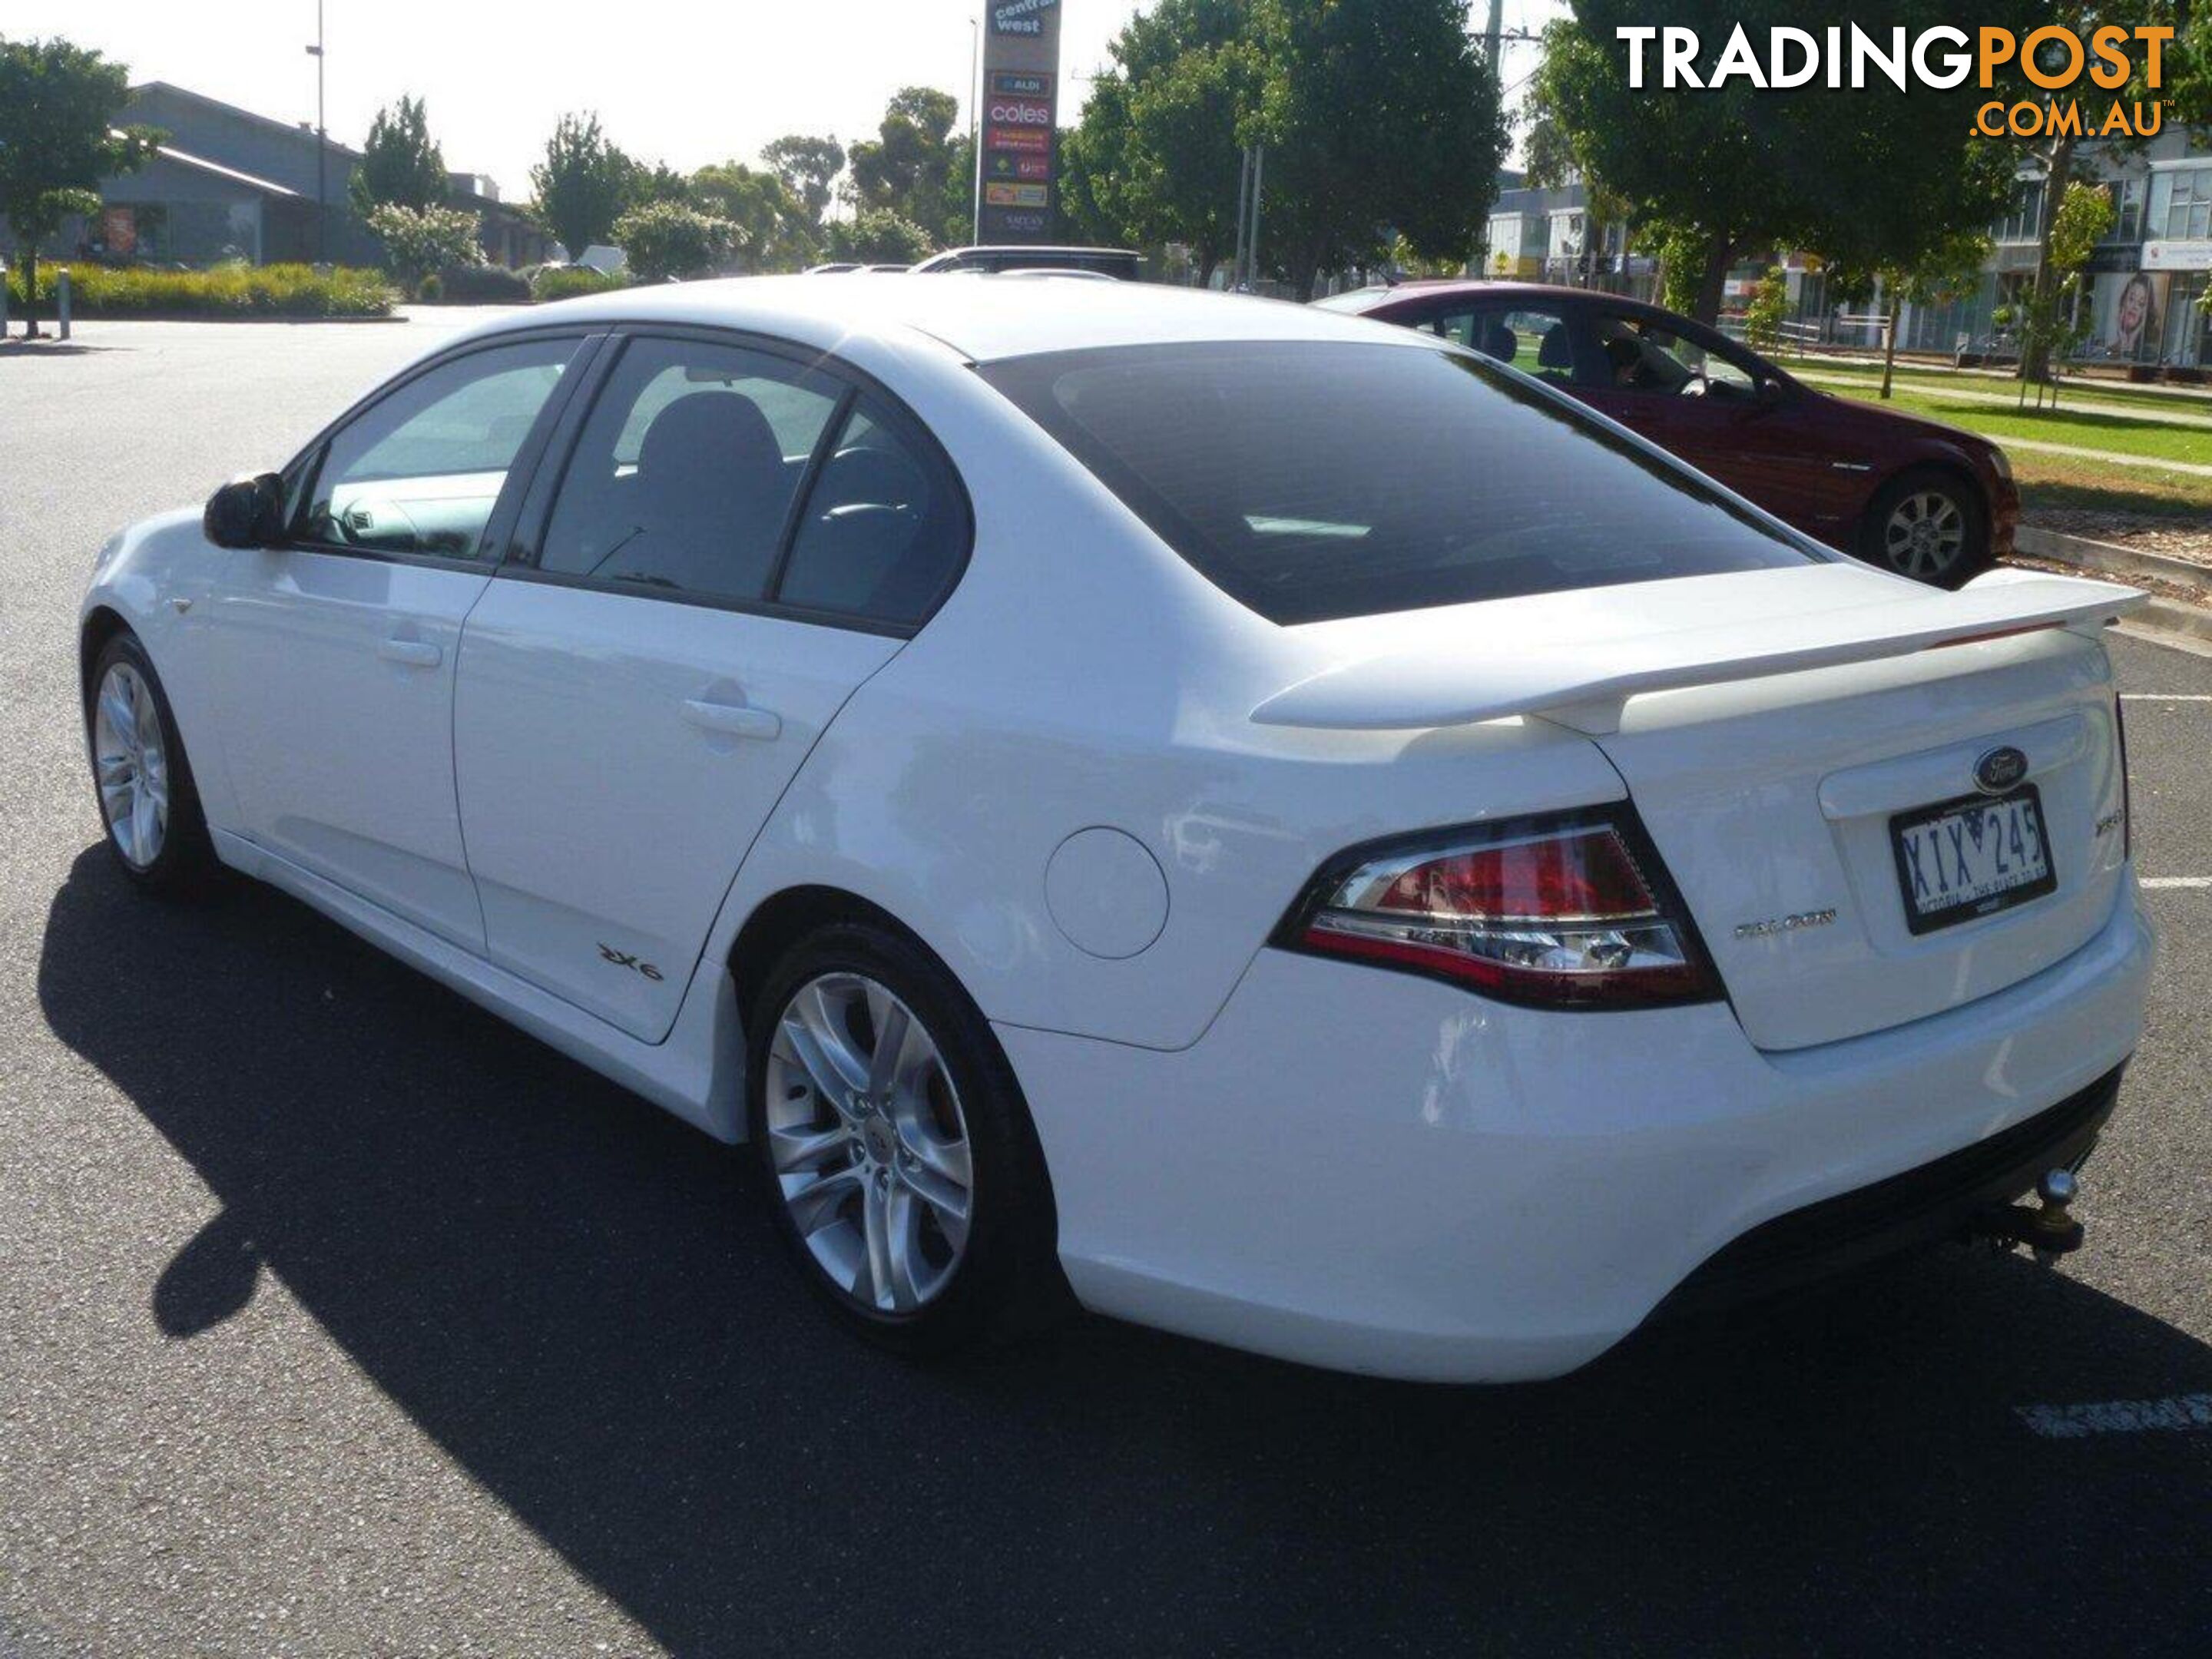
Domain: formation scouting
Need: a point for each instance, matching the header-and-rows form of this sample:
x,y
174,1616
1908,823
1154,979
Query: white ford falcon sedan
x,y
1259,823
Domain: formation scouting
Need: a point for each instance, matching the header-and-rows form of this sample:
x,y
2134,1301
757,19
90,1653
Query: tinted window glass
x,y
1646,357
884,531
683,474
419,472
1317,479
1539,343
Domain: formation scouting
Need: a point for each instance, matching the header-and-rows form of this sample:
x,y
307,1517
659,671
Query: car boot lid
x,y
1602,646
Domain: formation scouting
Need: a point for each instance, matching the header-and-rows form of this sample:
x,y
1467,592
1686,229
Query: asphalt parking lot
x,y
337,1318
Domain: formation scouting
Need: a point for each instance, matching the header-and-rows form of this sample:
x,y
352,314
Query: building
x,y
227,184
1547,235
2145,283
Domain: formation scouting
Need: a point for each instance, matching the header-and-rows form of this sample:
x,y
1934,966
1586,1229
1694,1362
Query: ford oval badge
x,y
1999,770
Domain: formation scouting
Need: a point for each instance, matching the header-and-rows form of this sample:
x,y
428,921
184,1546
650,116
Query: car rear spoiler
x,y
1586,686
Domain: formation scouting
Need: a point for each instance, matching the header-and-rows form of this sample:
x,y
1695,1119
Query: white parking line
x,y
2177,881
2178,697
2176,1411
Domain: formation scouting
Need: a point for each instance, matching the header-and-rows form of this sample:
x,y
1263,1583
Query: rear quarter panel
x,y
1083,675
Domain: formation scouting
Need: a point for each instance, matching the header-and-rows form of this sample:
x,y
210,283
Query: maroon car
x,y
1924,499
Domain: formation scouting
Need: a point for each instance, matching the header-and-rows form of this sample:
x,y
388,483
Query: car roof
x,y
986,320
1434,288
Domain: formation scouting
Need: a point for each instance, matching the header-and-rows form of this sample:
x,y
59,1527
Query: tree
x,y
420,240
878,236
1871,176
582,185
1942,273
643,185
772,230
808,167
907,168
400,165
57,140
2053,323
1155,156
667,240
1334,194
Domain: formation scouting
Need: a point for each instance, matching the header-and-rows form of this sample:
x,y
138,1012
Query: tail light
x,y
1560,912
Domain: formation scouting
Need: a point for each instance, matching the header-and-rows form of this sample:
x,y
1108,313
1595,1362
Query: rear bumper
x,y
1376,1173
1937,1200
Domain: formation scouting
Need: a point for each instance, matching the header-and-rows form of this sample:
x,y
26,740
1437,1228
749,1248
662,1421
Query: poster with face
x,y
2135,320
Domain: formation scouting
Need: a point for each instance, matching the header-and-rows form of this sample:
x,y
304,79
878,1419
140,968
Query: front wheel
x,y
144,782
1931,526
908,1179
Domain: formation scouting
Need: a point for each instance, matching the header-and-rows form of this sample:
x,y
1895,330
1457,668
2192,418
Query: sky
x,y
684,83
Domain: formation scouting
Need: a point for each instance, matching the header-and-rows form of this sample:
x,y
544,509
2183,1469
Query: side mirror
x,y
246,513
1772,394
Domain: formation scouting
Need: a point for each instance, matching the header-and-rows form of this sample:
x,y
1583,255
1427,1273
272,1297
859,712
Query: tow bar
x,y
2047,1228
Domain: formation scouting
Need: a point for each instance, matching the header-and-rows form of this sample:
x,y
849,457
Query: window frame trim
x,y
305,468
518,559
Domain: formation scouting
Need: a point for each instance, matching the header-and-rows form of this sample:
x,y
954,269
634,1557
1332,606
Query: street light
x,y
975,127
322,145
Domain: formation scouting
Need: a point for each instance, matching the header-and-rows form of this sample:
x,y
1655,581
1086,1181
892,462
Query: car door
x,y
1700,398
736,538
336,648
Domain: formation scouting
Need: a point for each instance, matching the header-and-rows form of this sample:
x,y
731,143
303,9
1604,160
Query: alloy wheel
x,y
131,763
1925,535
868,1143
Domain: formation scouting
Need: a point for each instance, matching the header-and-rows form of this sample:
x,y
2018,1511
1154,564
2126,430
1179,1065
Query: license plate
x,y
1971,858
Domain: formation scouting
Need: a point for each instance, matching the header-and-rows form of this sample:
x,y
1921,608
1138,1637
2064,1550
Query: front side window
x,y
1647,356
419,472
1316,479
683,477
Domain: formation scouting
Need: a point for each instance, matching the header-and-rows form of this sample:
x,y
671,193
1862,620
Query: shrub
x,y
1770,305
667,238
878,236
430,290
483,285
226,291
569,282
419,241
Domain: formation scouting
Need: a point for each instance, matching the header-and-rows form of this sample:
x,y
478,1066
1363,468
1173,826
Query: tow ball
x,y
2047,1227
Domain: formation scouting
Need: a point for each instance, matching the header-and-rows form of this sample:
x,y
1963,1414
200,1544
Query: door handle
x,y
415,654
733,719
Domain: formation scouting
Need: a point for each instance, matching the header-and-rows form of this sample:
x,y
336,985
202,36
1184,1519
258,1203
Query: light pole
x,y
975,127
322,148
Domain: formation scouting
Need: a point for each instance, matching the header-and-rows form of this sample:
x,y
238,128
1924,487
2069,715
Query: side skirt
x,y
697,1073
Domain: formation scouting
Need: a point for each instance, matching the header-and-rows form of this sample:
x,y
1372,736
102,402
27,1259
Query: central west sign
x,y
1017,167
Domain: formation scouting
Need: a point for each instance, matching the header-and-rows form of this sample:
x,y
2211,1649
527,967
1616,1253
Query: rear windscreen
x,y
1317,479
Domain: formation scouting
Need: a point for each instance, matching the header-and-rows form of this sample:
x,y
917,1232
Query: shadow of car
x,y
514,1251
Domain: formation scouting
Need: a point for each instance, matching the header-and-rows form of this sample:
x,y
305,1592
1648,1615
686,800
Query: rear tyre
x,y
141,777
907,1176
1930,525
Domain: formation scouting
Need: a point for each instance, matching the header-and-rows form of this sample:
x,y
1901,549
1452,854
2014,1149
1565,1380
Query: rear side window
x,y
884,530
1311,480
1538,343
683,477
